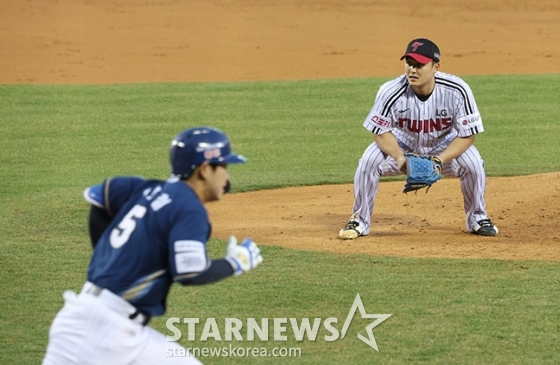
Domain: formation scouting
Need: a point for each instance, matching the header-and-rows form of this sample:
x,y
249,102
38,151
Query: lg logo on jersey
x,y
471,120
301,329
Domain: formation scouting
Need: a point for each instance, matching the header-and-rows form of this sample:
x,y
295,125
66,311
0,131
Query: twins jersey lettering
x,y
425,126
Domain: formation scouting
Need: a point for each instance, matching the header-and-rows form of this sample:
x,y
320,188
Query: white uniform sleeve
x,y
469,121
376,123
379,120
470,125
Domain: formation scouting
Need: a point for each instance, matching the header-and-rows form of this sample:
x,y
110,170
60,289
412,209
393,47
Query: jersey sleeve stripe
x,y
454,85
474,130
106,196
392,99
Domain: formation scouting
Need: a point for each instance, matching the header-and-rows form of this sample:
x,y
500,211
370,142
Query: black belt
x,y
138,316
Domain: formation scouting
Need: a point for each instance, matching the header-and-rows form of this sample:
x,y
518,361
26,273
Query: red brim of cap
x,y
418,57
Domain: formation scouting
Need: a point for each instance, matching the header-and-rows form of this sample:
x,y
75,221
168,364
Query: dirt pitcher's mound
x,y
420,225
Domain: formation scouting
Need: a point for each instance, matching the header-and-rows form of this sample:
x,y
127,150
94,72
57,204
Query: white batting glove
x,y
243,257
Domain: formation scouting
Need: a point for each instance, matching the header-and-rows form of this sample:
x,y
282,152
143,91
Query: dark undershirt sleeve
x,y
218,270
99,220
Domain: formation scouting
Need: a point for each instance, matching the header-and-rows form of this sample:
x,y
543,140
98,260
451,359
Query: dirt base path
x,y
118,41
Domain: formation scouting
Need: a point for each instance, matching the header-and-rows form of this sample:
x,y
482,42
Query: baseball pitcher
x,y
427,114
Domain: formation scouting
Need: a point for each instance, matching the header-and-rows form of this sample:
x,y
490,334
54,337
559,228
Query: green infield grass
x,y
57,140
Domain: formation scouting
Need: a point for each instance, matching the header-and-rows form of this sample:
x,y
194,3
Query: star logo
x,y
379,318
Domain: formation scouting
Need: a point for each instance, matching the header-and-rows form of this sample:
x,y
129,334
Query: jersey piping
x,y
459,88
142,285
393,99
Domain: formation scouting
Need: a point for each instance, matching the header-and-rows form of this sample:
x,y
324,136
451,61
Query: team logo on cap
x,y
415,46
214,153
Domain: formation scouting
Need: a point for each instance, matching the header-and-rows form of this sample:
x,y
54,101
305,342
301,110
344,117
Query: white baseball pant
x,y
468,167
92,329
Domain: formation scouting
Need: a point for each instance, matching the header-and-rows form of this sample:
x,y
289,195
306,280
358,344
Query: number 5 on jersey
x,y
122,233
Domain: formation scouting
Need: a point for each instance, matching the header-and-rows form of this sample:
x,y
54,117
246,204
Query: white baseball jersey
x,y
423,126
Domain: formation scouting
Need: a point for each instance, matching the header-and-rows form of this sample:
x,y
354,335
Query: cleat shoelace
x,y
485,223
352,225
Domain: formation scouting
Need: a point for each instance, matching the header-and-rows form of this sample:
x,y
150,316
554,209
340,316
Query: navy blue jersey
x,y
158,235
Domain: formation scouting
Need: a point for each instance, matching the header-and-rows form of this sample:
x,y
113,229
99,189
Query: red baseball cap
x,y
422,50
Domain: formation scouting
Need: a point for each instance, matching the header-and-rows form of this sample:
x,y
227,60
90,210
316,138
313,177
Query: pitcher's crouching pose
x,y
148,234
428,112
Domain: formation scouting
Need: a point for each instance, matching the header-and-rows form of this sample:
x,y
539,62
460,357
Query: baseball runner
x,y
148,234
427,112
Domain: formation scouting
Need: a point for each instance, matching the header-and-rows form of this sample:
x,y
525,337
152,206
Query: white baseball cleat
x,y
485,227
350,231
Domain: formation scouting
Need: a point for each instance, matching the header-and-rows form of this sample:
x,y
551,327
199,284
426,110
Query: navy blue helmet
x,y
194,146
